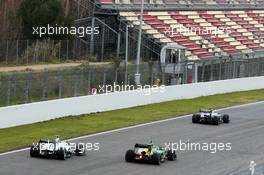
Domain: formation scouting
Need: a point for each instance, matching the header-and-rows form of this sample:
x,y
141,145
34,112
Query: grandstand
x,y
246,31
217,29
245,27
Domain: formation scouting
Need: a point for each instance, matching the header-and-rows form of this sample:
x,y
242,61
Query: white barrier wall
x,y
42,111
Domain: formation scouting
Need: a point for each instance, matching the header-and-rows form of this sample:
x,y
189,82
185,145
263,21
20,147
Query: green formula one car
x,y
149,153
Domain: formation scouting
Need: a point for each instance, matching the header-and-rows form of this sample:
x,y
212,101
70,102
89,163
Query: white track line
x,y
135,126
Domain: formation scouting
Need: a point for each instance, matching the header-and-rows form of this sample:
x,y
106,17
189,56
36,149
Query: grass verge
x,y
68,127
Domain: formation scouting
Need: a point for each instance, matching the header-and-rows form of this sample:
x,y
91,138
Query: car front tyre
x,y
195,118
34,152
156,159
172,156
226,118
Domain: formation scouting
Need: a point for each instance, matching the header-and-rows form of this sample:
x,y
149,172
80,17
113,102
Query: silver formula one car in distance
x,y
210,117
56,149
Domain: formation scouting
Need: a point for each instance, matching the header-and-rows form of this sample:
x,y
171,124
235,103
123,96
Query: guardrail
x,y
47,110
179,7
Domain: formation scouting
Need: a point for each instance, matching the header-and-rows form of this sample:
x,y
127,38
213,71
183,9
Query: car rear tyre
x,y
156,159
130,156
172,155
226,118
62,154
215,120
80,150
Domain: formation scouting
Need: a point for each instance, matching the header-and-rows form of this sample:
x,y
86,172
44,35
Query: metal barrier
x,y
36,112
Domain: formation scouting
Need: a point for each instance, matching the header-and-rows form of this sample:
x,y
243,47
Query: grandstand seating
x,y
244,30
205,34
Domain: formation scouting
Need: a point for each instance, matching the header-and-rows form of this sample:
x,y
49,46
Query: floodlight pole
x,y
137,75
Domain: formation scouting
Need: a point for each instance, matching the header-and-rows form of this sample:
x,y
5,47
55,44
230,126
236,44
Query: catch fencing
x,y
33,86
47,110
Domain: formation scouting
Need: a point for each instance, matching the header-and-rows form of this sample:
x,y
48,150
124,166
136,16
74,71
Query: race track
x,y
245,132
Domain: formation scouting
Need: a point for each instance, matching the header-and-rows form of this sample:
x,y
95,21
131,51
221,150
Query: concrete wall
x,y
42,111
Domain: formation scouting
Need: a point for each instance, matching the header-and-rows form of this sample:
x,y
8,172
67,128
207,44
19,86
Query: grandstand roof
x,y
125,5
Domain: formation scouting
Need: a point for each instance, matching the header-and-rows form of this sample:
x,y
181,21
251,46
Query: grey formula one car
x,y
210,117
56,149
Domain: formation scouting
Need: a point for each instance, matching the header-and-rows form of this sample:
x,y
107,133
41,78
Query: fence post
x,y
13,85
8,93
259,66
116,74
89,80
7,50
44,85
27,51
163,78
227,69
103,43
220,70
203,72
151,73
250,69
128,79
118,44
211,71
45,48
75,84
104,76
93,76
81,81
246,69
60,84
262,70
34,55
92,38
234,69
59,50
17,54
67,57
27,87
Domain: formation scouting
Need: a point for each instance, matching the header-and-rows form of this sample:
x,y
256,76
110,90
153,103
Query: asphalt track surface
x,y
245,132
